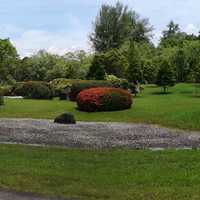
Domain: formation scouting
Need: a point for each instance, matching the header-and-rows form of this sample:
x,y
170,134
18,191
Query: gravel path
x,y
9,195
95,135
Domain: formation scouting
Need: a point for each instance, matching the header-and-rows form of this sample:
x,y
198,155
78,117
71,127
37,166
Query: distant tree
x,y
135,71
181,61
97,70
116,24
115,63
172,36
8,60
79,63
166,75
25,70
111,62
172,30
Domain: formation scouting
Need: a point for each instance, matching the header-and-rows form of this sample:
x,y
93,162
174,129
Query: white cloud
x,y
191,29
60,42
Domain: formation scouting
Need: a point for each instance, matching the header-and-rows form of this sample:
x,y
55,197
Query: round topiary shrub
x,y
104,99
66,118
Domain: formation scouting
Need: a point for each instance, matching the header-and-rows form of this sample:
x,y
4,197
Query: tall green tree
x,y
116,24
97,70
166,76
135,71
112,62
181,61
8,60
172,36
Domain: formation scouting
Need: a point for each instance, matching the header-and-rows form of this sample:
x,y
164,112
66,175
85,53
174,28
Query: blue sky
x,y
59,26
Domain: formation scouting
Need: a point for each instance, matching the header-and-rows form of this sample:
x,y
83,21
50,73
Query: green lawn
x,y
102,175
180,109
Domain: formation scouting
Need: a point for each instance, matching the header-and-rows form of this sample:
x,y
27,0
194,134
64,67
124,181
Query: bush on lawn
x,y
82,85
6,90
66,118
104,99
34,90
72,87
61,84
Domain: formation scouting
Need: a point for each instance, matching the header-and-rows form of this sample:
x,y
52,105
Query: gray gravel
x,y
95,135
10,195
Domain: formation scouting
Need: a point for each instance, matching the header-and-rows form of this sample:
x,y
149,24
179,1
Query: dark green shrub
x,y
71,87
104,99
7,90
110,62
82,85
34,90
66,118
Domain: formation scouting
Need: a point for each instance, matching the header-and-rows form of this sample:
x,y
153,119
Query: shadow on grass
x,y
187,92
161,93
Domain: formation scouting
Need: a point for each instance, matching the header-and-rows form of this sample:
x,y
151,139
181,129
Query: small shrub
x,y
60,84
104,99
119,82
34,90
7,90
66,118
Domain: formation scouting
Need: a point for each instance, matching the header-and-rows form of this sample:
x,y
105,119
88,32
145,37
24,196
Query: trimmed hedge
x,y
34,90
72,87
62,86
104,99
82,85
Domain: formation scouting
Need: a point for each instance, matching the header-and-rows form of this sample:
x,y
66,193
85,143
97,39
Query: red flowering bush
x,y
104,99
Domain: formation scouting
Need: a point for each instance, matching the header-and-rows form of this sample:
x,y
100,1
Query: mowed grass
x,y
179,109
102,175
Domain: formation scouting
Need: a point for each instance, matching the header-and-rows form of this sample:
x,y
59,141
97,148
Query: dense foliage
x,y
116,24
34,90
123,48
82,85
104,99
111,62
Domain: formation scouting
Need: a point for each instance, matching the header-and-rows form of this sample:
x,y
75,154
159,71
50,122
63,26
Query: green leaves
x,y
116,24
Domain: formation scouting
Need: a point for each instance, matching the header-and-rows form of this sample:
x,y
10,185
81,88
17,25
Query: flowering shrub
x,y
104,99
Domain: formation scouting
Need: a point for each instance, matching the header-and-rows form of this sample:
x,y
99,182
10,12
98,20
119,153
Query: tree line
x,y
122,43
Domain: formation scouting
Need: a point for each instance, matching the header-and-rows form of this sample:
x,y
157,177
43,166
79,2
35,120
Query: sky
x,y
59,26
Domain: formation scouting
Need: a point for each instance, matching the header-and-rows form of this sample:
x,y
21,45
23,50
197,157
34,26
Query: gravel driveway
x,y
95,135
9,195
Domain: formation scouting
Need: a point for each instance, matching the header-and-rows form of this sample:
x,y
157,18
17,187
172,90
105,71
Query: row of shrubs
x,y
91,95
30,90
62,88
71,87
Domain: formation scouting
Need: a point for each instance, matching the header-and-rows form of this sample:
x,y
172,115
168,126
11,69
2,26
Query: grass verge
x,y
179,109
108,175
